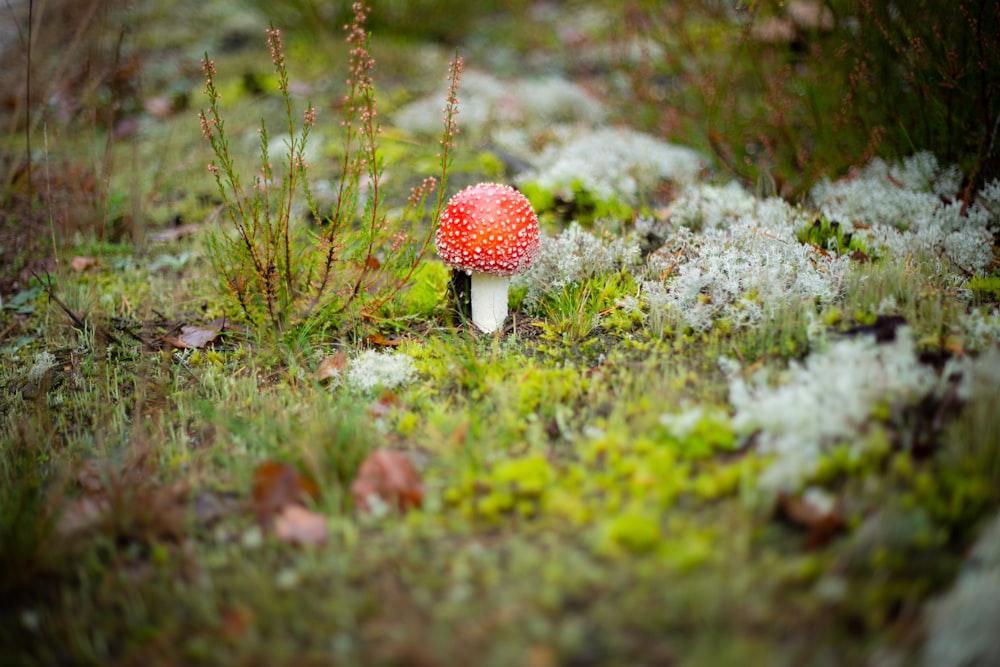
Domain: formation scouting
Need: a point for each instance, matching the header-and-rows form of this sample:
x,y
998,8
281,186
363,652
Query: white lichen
x,y
373,370
708,206
40,365
830,399
488,103
572,257
611,165
913,207
978,329
744,266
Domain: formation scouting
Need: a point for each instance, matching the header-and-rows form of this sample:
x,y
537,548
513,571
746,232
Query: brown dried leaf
x,y
815,513
89,478
124,503
236,621
330,367
278,485
379,340
81,515
81,264
810,15
388,474
174,233
297,525
198,337
385,404
210,506
195,337
774,30
161,106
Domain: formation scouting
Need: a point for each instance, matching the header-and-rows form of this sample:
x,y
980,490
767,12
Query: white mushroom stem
x,y
489,300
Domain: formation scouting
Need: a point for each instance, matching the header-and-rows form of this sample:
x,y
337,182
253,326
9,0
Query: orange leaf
x,y
384,405
236,622
379,340
817,515
174,233
278,485
80,264
389,475
330,367
298,525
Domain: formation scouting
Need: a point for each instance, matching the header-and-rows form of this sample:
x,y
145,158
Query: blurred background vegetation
x,y
784,92
780,93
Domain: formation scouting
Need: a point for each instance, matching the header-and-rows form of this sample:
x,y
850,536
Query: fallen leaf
x,y
127,127
174,233
124,503
385,404
226,323
210,506
81,514
198,337
540,655
277,486
389,475
163,106
236,622
810,15
89,478
378,340
330,367
298,525
81,264
195,337
814,511
774,30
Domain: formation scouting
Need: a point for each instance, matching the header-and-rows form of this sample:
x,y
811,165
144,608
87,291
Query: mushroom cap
x,y
488,228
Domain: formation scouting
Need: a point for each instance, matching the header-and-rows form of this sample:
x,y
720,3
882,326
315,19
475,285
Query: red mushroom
x,y
491,232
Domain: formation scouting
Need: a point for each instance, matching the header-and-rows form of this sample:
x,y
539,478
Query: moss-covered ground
x,y
594,491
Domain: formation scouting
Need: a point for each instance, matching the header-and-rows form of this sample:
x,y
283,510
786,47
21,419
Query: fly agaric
x,y
491,232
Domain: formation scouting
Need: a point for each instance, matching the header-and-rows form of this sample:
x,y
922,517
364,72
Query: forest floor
x,y
720,427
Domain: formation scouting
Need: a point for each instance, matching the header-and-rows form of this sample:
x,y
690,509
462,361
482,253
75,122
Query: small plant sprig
x,y
829,235
348,268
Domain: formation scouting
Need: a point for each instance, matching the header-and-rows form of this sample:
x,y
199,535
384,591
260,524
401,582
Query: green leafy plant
x,y
361,255
829,235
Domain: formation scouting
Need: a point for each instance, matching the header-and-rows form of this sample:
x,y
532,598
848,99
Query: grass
x,y
591,496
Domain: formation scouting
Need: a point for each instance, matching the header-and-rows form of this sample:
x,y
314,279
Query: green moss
x,y
699,434
529,476
542,200
425,291
985,288
517,485
582,206
633,531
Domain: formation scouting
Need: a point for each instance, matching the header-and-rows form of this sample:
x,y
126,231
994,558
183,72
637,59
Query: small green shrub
x,y
360,255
